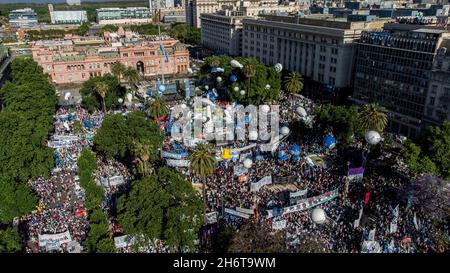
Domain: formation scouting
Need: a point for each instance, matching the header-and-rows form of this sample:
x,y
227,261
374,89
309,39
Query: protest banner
x,y
266,180
246,211
54,239
124,241
371,236
307,203
236,213
239,170
370,247
279,224
116,180
355,173
177,163
298,193
211,217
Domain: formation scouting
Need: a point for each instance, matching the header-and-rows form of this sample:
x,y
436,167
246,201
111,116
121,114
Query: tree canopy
x,y
92,99
261,86
164,206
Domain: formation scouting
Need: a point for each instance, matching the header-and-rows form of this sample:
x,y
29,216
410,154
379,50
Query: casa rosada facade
x,y
76,59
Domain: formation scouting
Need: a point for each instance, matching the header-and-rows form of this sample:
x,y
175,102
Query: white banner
x,y
124,241
298,193
393,228
238,150
239,170
370,247
237,213
279,224
66,137
177,163
246,211
266,180
116,180
211,217
308,203
372,235
54,239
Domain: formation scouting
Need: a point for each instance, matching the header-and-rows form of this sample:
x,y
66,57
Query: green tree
x,y
92,99
293,83
83,29
158,107
164,206
106,245
417,163
373,117
342,120
16,199
437,147
202,164
131,76
10,241
102,89
118,70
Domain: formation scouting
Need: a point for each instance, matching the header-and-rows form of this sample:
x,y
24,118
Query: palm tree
x,y
158,107
214,61
373,117
293,83
102,89
118,70
131,76
249,70
202,162
141,153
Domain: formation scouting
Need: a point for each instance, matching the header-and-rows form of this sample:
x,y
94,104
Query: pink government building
x,y
75,59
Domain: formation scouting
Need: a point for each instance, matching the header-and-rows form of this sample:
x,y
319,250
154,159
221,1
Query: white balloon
x,y
219,79
66,125
236,88
253,135
318,216
120,100
248,163
206,87
278,67
235,64
268,86
301,111
129,97
285,131
372,137
264,108
67,96
204,118
242,92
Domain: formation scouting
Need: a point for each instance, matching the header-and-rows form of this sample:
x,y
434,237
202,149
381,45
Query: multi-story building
x,y
67,16
160,4
73,2
437,104
222,31
394,69
23,18
76,59
321,50
131,15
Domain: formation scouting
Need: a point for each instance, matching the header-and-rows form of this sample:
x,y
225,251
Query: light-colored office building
x,y
73,2
222,31
131,15
322,50
23,18
67,16
194,8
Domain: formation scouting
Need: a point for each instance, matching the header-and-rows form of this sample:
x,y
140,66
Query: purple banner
x,y
355,171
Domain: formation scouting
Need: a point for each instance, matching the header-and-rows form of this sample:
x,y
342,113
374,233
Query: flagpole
x,y
160,41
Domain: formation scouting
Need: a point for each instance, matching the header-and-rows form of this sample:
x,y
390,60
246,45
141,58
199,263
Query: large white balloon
x,y
265,108
253,135
219,79
248,163
285,131
236,64
278,67
372,137
268,86
242,92
236,88
67,96
318,216
301,111
120,100
206,87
